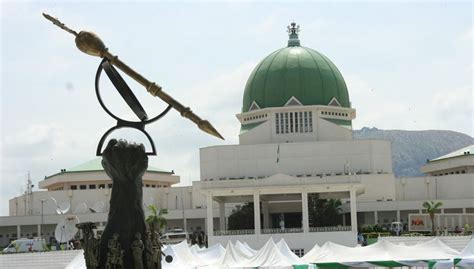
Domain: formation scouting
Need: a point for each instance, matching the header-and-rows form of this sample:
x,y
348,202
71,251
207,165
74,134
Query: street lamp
x,y
41,226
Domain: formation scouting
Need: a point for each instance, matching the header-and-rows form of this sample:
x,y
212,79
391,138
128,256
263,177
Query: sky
x,y
407,65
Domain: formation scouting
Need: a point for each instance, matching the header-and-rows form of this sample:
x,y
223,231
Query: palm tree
x,y
431,207
156,218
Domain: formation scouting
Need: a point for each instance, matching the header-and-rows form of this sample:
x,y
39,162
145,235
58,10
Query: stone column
x,y
398,215
210,220
256,212
304,201
222,216
38,227
344,219
352,194
376,216
18,231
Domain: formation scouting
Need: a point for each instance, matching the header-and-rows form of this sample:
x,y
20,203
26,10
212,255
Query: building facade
x,y
295,143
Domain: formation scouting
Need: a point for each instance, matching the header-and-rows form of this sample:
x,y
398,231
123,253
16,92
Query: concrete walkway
x,y
38,260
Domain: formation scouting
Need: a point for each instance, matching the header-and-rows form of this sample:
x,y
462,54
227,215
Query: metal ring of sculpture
x,y
131,100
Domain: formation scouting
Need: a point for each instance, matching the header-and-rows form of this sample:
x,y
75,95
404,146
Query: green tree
x,y
332,211
431,207
157,219
323,212
242,217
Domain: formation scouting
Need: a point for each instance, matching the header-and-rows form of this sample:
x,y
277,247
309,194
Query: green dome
x,y
295,71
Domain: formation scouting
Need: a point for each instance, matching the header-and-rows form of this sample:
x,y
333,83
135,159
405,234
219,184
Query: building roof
x,y
296,71
469,150
96,165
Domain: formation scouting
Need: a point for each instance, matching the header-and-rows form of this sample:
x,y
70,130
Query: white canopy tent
x,y
382,253
433,254
464,260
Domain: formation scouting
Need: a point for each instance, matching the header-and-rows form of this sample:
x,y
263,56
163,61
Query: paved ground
x,y
39,260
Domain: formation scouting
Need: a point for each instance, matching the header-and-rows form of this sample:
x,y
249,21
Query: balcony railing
x,y
282,231
329,229
234,232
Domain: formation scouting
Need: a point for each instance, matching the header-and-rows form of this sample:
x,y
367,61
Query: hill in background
x,y
411,149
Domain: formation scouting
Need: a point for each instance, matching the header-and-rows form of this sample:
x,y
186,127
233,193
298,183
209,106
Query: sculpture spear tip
x,y
208,128
58,23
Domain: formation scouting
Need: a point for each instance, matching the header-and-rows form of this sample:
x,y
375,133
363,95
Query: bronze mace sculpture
x,y
91,44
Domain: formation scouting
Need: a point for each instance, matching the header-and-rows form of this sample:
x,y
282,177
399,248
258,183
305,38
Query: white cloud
x,y
445,110
453,109
268,24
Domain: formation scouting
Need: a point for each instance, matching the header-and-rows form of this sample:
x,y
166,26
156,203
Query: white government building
x,y
296,139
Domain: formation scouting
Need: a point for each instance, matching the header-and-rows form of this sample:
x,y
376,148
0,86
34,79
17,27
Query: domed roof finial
x,y
293,31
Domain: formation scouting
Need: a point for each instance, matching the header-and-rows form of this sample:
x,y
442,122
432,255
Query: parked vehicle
x,y
174,236
26,245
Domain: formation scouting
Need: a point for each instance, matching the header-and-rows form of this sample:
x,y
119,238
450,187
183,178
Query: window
x,y
277,123
301,122
147,185
73,187
291,122
305,122
153,186
281,124
92,186
296,122
82,187
110,186
101,186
